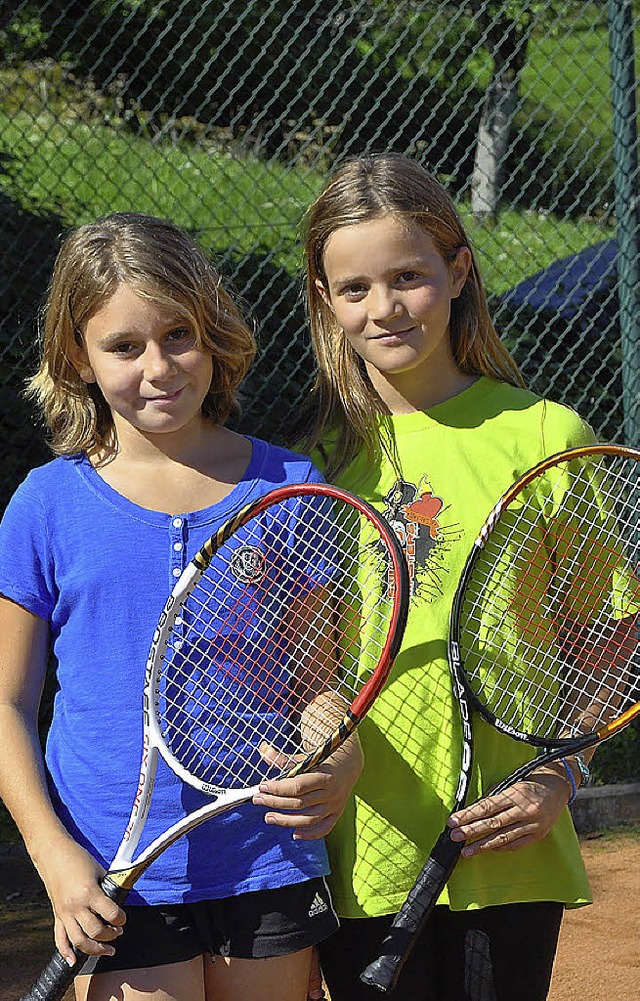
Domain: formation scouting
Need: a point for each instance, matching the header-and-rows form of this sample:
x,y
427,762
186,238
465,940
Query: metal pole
x,y
627,203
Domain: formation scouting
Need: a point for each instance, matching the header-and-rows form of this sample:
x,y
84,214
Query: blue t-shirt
x,y
99,568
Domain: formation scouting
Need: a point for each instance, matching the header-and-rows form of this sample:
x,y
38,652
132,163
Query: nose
x,y
157,363
384,303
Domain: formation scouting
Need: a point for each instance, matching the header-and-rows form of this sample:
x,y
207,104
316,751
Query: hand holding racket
x,y
543,638
271,648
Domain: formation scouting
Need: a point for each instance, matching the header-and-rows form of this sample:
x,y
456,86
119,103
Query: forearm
x,y
23,785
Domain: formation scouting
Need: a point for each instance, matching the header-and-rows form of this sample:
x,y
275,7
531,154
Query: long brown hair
x,y
158,261
343,400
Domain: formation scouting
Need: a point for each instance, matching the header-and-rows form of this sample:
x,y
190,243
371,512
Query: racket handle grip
x,y
408,923
57,976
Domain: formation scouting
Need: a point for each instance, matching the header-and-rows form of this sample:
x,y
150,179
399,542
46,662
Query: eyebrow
x,y
126,335
113,337
409,264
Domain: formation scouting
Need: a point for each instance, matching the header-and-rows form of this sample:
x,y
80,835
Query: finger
x,y
489,806
63,945
274,757
306,827
108,911
298,786
315,990
302,804
523,816
302,820
85,940
505,840
316,831
95,928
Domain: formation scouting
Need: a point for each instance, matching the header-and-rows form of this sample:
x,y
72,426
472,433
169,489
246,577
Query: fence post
x,y
627,203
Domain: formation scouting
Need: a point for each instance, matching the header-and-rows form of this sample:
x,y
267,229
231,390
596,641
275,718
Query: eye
x,y
407,277
354,291
123,348
181,337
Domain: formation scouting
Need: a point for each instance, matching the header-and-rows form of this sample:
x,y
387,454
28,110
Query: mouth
x,y
165,398
387,335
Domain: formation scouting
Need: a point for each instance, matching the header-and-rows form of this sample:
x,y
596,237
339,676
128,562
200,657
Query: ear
x,y
323,292
80,360
459,270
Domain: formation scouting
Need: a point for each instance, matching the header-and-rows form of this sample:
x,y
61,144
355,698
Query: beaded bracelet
x,y
583,766
572,781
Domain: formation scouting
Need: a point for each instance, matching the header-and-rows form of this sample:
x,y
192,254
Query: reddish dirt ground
x,y
598,956
599,950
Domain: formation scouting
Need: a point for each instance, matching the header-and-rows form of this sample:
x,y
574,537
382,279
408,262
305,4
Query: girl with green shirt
x,y
419,408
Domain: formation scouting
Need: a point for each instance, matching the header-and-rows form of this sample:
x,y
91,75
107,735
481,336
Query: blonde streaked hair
x,y
343,400
160,262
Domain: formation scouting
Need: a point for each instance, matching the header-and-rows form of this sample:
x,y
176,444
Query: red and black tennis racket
x,y
543,637
271,648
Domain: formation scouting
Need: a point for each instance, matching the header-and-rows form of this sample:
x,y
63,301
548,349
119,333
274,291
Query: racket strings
x,y
275,641
550,612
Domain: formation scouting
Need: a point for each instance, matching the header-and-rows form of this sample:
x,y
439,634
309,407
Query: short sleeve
x,y
26,564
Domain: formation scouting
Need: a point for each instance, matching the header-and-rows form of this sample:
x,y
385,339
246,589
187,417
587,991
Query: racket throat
x,y
117,884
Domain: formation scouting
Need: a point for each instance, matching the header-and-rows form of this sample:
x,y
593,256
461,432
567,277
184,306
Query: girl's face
x,y
391,293
147,364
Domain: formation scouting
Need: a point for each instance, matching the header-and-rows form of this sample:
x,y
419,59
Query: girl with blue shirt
x,y
142,352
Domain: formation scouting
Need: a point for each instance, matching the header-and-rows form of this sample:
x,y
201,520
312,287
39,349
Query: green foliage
x,y
618,759
81,172
21,31
410,78
522,242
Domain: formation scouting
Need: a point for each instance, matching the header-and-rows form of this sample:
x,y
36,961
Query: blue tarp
x,y
567,285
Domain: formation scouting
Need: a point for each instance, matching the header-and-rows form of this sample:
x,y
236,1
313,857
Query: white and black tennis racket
x,y
271,648
543,637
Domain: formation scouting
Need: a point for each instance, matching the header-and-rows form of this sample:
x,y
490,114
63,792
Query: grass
x,y
84,171
233,204
520,244
568,73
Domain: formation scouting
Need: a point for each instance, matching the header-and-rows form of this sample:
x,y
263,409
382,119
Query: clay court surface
x,y
598,958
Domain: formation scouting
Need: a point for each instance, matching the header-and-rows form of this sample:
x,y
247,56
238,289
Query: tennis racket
x,y
543,636
271,648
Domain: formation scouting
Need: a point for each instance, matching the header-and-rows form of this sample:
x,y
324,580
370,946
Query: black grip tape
x,y
408,923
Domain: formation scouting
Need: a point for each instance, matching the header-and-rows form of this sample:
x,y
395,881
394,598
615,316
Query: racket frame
x,y
122,871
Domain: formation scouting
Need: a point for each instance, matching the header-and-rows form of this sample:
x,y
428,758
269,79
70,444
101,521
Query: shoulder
x,y
51,479
47,503
563,428
283,466
546,426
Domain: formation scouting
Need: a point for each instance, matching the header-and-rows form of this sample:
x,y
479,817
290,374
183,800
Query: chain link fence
x,y
225,116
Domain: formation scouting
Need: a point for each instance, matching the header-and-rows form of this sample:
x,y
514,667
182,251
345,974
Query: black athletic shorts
x,y
501,953
250,926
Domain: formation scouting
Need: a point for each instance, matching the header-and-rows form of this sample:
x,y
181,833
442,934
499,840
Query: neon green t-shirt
x,y
447,467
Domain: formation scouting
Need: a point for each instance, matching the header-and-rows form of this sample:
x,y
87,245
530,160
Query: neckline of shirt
x,y
214,513
451,411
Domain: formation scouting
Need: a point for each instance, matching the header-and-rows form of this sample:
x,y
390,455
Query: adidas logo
x,y
318,906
